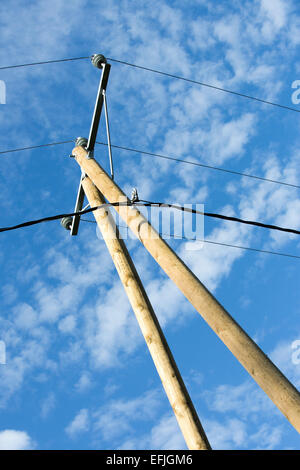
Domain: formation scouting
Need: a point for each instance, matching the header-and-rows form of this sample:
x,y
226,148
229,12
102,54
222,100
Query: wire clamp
x,y
134,196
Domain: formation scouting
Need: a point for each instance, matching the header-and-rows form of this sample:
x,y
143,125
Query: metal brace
x,y
99,61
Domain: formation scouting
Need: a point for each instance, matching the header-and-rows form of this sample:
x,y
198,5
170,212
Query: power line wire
x,y
36,146
178,77
221,216
210,167
144,203
175,237
59,216
43,62
160,72
157,155
245,248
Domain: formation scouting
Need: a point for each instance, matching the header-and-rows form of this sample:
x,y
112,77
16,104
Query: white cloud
x,y
67,324
167,301
15,440
166,435
48,405
25,316
32,355
227,435
84,383
117,417
246,400
267,438
228,139
212,263
235,433
276,11
79,424
111,328
9,293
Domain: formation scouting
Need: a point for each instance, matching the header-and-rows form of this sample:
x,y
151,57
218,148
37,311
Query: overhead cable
x,y
179,237
160,72
143,203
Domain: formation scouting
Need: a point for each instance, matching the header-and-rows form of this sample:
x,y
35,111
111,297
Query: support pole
x,y
173,384
285,396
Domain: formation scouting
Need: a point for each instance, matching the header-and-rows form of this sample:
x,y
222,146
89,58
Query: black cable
x,y
61,216
210,167
221,216
36,146
42,63
178,77
175,237
143,203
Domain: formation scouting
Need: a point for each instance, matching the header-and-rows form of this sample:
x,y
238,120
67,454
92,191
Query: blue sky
x,y
78,374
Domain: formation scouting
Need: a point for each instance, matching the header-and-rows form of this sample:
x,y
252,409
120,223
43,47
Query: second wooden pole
x,y
175,389
285,396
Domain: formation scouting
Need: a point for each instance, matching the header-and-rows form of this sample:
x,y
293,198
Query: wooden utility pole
x,y
173,384
285,396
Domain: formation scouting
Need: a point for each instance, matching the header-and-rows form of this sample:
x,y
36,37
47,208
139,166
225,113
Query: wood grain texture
x,y
173,384
285,396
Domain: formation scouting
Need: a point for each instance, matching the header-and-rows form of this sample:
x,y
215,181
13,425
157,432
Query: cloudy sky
x,y
78,374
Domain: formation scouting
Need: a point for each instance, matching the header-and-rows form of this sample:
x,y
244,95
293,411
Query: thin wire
x,y
178,77
42,63
108,135
160,72
242,247
210,167
143,203
157,155
36,146
178,237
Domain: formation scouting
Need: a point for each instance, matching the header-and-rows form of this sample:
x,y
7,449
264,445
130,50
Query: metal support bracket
x,y
99,103
99,61
78,208
108,136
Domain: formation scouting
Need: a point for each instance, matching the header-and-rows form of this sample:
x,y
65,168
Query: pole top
x,y
98,60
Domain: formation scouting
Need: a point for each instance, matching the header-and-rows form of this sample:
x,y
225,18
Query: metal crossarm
x,y
99,103
78,207
99,61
